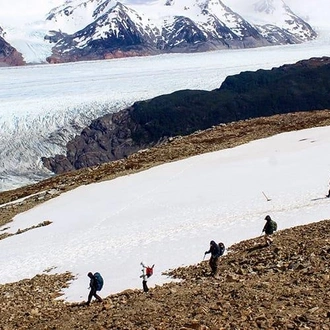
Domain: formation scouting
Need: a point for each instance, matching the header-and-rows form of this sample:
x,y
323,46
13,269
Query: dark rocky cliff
x,y
302,86
9,56
106,139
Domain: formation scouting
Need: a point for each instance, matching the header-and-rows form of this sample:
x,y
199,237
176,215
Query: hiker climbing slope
x,y
146,273
269,228
95,284
215,254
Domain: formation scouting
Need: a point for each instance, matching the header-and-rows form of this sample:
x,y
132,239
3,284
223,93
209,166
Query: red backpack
x,y
149,271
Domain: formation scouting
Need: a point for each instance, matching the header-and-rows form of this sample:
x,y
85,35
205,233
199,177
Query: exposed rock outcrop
x,y
107,139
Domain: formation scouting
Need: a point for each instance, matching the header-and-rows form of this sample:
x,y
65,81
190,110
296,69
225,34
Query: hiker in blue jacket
x,y
215,254
93,289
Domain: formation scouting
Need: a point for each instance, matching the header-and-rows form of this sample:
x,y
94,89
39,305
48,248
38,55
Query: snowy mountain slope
x,y
42,107
188,25
154,215
75,15
277,14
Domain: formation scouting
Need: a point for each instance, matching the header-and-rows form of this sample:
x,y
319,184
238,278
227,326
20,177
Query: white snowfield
x,y
43,106
167,215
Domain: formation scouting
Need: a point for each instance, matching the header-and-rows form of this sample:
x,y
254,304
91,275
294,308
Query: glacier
x,y
43,106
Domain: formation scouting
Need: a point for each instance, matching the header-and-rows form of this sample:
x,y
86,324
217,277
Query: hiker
x,y
146,273
93,288
269,228
328,194
215,254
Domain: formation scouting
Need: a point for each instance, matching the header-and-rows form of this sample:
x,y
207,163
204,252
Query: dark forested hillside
x,y
299,87
303,86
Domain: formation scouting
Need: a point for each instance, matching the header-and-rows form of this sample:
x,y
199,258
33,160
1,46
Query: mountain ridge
x,y
196,26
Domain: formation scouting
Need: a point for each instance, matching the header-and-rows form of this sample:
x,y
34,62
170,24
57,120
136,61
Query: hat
x,y
268,218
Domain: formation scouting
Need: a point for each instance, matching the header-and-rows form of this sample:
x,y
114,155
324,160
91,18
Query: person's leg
x,y
268,239
97,297
215,267
145,286
90,295
211,265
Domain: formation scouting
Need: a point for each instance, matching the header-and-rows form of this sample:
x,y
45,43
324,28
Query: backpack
x,y
99,281
273,225
149,271
221,248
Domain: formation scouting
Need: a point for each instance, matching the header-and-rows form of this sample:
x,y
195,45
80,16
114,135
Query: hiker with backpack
x,y
147,271
215,254
95,284
269,228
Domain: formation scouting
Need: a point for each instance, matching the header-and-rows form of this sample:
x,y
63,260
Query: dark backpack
x,y
273,225
222,248
270,227
99,281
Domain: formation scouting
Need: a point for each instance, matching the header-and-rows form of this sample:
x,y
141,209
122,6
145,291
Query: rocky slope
x,y
285,286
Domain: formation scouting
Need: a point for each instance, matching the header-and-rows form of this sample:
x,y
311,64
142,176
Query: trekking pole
x,y
204,256
268,199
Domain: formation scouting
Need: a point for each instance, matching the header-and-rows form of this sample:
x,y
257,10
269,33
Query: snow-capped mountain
x,y
117,30
96,29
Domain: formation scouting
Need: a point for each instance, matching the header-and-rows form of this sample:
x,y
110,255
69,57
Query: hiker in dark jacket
x,y
215,254
93,289
269,228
